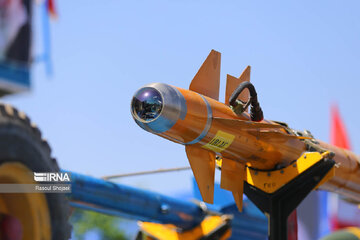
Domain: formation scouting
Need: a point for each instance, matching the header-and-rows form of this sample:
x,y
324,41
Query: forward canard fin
x,y
202,163
207,79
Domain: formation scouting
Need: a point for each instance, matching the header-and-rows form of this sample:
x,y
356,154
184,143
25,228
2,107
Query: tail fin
x,y
232,179
233,82
207,79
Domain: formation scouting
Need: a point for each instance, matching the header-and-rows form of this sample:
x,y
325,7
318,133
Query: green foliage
x,y
106,226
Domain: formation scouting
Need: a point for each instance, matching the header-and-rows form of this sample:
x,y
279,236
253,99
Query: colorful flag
x,y
338,135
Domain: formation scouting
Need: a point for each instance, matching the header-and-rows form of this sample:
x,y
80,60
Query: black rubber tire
x,y
20,141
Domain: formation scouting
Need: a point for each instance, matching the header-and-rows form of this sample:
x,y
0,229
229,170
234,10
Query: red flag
x,y
292,229
338,135
51,8
339,138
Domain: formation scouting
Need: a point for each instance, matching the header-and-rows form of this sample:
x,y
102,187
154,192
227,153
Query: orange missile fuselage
x,y
346,181
232,139
208,128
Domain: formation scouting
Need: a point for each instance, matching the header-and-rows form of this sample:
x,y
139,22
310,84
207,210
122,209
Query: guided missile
x,y
227,136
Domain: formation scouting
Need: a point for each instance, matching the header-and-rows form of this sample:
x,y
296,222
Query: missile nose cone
x,y
147,104
157,107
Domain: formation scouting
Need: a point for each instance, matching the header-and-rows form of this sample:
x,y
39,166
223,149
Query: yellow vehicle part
x,y
208,226
271,181
31,209
350,233
354,230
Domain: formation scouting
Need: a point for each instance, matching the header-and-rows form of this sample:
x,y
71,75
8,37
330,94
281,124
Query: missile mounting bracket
x,y
277,193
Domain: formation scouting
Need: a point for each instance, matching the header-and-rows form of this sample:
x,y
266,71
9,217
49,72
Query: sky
x,y
305,56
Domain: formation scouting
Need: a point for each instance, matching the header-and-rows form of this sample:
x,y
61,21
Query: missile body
x,y
200,121
208,128
346,181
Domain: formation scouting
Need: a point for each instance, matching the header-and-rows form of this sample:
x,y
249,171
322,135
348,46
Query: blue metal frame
x,y
14,75
98,195
116,199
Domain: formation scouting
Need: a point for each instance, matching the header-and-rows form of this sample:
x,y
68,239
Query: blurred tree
x,y
106,226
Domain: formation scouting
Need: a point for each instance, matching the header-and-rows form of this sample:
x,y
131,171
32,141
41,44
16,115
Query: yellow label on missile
x,y
220,142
